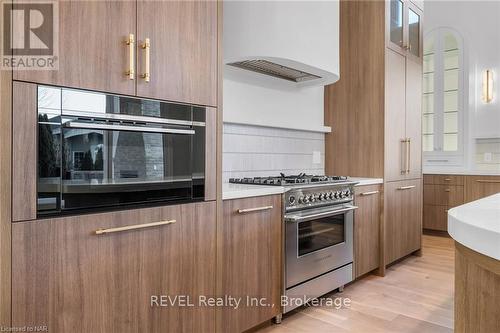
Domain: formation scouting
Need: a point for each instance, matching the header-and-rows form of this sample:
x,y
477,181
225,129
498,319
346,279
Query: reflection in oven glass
x,y
320,233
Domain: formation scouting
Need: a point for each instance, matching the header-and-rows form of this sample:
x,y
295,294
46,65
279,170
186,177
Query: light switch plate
x,y
316,157
487,157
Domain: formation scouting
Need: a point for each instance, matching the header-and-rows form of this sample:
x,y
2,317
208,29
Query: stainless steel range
x,y
318,219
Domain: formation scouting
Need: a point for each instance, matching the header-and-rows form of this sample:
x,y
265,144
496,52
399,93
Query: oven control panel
x,y
318,196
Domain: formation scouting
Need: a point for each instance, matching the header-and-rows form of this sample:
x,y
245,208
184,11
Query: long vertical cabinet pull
x,y
131,50
404,156
146,46
408,156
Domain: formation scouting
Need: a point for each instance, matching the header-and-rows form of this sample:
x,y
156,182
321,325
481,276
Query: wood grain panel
x,y
211,155
72,280
367,220
443,195
251,265
414,117
183,50
5,195
395,82
403,219
444,179
435,217
92,50
24,163
354,106
477,292
478,187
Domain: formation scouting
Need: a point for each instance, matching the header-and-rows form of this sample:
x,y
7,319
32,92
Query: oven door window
x,y
320,233
110,167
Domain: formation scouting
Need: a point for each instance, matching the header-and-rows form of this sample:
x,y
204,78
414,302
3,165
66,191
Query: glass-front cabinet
x,y
442,107
404,28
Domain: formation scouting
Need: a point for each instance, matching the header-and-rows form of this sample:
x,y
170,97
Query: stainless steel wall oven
x,y
98,151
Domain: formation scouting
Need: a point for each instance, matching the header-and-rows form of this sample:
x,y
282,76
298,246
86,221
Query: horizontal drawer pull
x,y
447,190
406,187
370,193
256,209
487,181
133,227
447,179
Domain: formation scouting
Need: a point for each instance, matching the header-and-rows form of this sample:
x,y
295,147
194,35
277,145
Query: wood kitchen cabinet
x,y
183,50
367,226
375,108
70,279
102,42
477,187
403,225
404,28
92,50
249,261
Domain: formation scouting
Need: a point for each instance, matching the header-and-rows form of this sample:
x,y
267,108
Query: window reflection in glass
x,y
396,24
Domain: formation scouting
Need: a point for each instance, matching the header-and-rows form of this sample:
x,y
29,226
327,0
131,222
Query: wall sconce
x,y
487,86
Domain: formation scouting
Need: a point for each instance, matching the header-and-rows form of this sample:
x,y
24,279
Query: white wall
x,y
479,24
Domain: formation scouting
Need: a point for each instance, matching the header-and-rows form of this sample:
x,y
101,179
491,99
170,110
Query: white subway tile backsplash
x,y
252,151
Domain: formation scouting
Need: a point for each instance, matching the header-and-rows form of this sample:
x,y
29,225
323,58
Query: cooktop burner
x,y
283,180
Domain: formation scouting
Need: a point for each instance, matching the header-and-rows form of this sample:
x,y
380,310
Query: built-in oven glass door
x,y
317,241
103,166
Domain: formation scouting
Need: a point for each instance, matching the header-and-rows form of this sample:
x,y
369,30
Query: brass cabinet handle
x,y
447,190
487,181
133,227
408,152
146,46
404,159
369,193
406,187
131,49
447,179
256,209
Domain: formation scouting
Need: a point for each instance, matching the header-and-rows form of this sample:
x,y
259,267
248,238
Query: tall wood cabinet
x,y
157,49
375,110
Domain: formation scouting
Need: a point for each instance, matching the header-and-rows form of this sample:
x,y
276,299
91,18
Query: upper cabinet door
x,y
414,32
396,20
93,53
177,51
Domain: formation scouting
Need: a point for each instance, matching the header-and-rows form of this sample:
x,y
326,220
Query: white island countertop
x,y
476,225
237,191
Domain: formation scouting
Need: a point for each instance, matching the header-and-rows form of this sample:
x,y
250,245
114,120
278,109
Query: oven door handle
x,y
117,127
297,218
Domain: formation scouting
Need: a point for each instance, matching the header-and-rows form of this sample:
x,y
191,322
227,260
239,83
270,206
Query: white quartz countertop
x,y
476,225
237,191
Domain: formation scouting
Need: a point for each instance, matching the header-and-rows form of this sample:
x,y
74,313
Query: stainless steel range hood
x,y
292,42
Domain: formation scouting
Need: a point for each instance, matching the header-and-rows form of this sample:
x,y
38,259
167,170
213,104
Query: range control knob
x,y
347,193
336,195
330,195
301,199
312,198
291,200
321,196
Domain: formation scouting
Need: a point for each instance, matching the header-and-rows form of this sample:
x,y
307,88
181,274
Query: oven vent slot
x,y
276,70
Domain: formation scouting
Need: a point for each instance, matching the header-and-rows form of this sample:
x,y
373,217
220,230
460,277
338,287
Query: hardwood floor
x,y
416,295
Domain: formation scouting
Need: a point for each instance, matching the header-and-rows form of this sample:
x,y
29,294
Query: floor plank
x,y
416,295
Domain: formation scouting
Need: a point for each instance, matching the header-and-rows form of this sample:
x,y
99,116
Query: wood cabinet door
x,y
403,218
249,263
70,279
92,50
477,187
395,129
183,50
367,221
414,118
